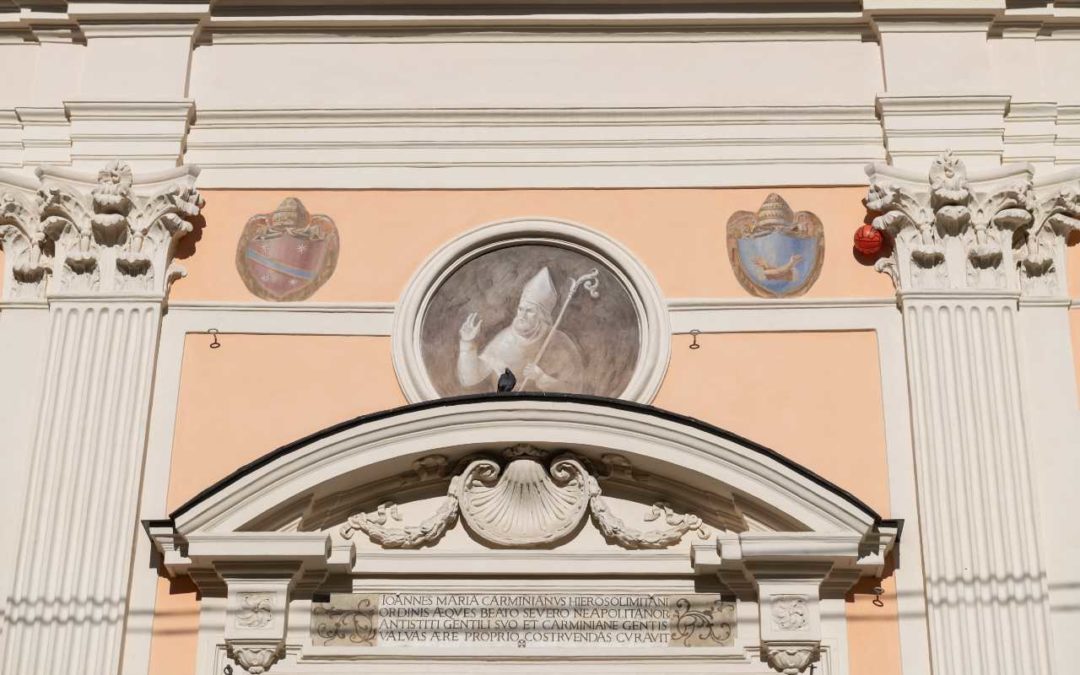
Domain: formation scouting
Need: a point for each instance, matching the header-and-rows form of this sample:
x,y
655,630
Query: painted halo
x,y
558,296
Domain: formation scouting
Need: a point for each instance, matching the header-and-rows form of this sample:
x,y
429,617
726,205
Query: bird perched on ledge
x,y
507,381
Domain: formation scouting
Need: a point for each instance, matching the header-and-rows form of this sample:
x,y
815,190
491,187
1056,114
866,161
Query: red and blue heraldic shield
x,y
287,254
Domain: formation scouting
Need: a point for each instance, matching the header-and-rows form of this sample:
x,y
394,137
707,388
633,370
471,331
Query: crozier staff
x,y
518,346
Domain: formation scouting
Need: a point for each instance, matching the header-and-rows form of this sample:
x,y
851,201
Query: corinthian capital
x,y
110,233
951,230
994,230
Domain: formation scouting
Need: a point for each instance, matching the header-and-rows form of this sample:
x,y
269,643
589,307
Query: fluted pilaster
x,y
66,611
985,576
99,252
964,249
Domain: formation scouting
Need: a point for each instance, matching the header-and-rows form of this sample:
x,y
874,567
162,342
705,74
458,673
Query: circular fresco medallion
x,y
531,305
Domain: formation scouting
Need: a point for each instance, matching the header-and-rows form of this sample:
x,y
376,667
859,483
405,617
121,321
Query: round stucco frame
x,y
654,350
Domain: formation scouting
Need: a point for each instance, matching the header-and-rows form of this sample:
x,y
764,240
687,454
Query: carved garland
x,y
520,503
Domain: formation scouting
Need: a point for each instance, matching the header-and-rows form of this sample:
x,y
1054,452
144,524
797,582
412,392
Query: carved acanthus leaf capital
x,y
106,233
951,230
998,230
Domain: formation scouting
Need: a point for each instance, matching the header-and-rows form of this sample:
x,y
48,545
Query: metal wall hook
x,y
694,333
878,591
215,344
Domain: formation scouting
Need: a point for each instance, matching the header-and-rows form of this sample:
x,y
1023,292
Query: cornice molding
x,y
546,147
779,114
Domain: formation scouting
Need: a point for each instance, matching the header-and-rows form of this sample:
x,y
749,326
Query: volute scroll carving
x,y
523,500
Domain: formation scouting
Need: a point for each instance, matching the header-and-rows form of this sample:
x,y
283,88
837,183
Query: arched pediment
x,y
532,487
670,448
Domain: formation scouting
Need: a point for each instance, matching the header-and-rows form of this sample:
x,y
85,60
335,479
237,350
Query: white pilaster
x,y
965,246
98,249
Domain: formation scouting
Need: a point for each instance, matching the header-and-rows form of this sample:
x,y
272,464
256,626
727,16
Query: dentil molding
x,y
992,230
111,233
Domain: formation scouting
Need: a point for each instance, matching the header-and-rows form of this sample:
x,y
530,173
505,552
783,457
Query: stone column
x,y
963,248
98,248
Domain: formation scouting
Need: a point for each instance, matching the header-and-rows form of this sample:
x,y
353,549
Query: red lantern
x,y
869,241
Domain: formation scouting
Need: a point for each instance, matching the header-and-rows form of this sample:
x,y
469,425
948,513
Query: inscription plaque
x,y
523,620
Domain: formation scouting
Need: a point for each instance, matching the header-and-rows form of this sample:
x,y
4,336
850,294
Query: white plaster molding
x,y
539,147
1030,133
71,233
10,139
917,127
654,329
1067,135
46,135
152,133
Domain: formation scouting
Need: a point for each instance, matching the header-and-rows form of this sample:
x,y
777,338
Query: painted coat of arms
x,y
287,254
775,252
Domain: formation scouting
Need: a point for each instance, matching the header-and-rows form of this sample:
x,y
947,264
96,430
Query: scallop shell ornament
x,y
524,504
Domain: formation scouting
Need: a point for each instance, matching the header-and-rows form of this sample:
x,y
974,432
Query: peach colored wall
x,y
678,234
816,398
813,396
241,401
258,392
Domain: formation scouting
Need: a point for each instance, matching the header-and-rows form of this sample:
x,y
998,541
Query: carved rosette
x,y
524,500
71,232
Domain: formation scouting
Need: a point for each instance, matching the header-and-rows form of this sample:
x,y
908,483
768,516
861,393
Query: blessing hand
x,y
470,328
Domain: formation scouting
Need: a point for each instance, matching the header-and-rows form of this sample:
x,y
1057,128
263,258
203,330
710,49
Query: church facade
x,y
558,337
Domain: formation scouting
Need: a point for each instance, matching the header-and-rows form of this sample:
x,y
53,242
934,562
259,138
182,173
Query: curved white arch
x,y
677,447
655,329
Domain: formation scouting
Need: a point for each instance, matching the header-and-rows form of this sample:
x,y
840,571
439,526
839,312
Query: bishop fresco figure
x,y
517,346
